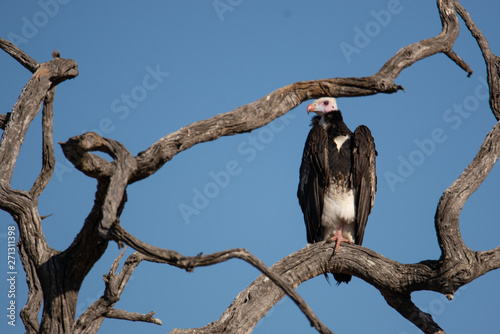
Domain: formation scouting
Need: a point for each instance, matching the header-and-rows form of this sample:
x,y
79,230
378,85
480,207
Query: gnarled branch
x,y
189,263
457,266
19,55
491,60
90,320
48,157
46,76
261,112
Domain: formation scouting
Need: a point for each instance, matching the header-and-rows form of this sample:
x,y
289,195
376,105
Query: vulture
x,y
337,179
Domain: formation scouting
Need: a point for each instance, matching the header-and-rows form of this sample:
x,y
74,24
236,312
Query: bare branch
x,y
91,165
459,61
90,320
458,264
29,313
490,260
124,165
133,316
33,248
454,198
16,53
394,280
48,158
492,61
257,299
26,108
443,43
189,263
404,305
261,112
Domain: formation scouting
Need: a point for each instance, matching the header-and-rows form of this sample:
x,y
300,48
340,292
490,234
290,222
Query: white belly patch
x,y
339,141
338,207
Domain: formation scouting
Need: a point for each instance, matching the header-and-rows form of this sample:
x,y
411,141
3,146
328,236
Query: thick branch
x,y
16,53
33,249
391,278
454,198
257,299
492,61
86,249
92,165
48,157
91,242
29,313
490,260
388,276
26,108
77,150
404,305
88,246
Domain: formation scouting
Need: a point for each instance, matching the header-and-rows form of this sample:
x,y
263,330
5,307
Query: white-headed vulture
x,y
337,178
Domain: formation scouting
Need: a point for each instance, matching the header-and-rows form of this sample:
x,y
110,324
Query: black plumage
x,y
337,179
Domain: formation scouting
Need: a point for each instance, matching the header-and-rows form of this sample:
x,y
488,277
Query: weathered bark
x,y
33,247
3,120
54,277
29,63
48,158
396,281
491,60
90,321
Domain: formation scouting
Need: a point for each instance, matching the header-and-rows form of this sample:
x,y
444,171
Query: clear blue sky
x,y
149,68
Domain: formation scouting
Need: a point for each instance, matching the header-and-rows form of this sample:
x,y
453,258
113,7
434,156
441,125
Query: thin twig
x,y
132,316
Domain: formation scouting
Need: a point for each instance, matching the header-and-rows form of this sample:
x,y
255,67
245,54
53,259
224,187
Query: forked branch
x,y
91,319
79,147
457,266
157,254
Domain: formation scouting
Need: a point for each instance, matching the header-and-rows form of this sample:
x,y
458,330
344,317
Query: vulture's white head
x,y
323,106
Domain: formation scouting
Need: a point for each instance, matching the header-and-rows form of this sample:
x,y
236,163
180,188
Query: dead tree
x,y
54,277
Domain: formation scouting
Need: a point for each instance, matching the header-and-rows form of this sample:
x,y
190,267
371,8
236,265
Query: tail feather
x,y
342,278
327,278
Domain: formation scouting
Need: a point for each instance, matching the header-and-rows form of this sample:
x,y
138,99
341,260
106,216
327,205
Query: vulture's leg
x,y
337,237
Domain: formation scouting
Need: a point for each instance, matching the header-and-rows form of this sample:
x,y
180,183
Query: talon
x,y
338,238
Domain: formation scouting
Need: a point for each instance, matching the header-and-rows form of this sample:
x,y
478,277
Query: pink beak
x,y
310,108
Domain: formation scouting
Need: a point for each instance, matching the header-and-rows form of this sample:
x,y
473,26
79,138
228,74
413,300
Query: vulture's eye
x,y
326,102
